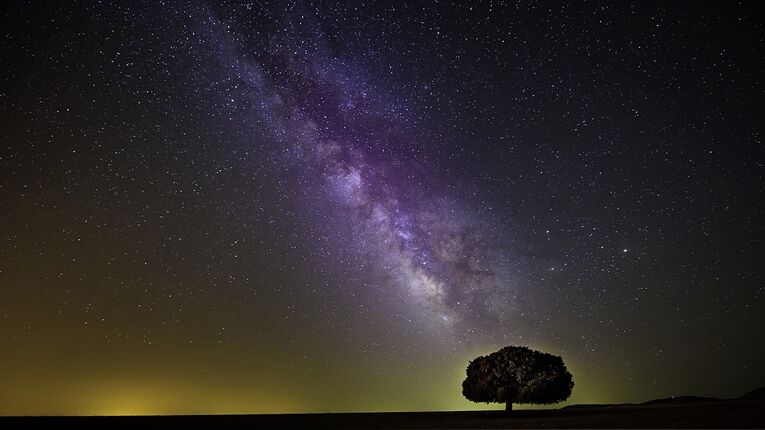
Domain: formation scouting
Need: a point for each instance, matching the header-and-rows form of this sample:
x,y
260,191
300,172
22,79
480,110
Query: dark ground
x,y
678,413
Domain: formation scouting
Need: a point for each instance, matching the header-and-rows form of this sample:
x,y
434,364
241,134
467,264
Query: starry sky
x,y
266,206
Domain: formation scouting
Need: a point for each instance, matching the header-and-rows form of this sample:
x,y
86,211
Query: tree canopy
x,y
517,374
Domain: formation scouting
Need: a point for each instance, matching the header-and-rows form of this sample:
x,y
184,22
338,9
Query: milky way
x,y
342,136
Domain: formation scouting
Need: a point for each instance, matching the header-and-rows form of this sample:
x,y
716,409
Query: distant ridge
x,y
679,400
757,393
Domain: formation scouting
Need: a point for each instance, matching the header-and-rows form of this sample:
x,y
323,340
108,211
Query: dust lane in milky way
x,y
434,254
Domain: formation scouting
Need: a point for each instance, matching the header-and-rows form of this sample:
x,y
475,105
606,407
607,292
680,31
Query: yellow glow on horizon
x,y
142,397
163,391
150,399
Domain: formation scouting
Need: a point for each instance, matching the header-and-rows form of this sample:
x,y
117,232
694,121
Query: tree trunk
x,y
509,406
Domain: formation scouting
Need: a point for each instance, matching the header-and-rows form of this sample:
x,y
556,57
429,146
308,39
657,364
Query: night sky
x,y
263,206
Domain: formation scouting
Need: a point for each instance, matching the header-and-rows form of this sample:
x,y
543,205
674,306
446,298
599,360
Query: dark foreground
x,y
696,414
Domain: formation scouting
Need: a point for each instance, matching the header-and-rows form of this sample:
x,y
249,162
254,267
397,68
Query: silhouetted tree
x,y
516,374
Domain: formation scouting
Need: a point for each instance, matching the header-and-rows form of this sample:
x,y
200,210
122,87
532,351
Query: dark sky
x,y
272,206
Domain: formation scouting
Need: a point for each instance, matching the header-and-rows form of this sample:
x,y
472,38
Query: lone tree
x,y
516,374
